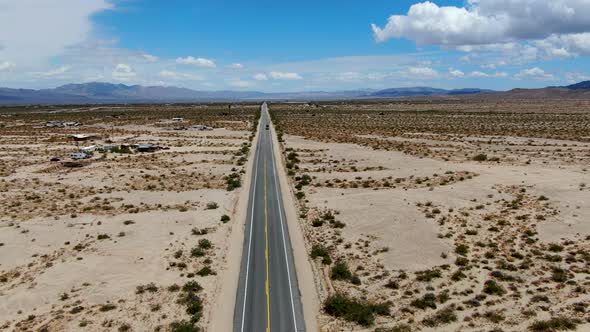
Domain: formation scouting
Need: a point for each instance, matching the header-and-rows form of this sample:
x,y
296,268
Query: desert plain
x,y
125,239
444,214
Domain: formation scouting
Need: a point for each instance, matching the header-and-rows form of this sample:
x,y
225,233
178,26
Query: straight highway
x,y
268,297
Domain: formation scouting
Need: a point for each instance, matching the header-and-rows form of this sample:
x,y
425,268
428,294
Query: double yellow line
x,y
266,253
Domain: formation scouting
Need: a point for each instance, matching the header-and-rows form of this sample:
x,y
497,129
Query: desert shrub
x,y
317,222
192,286
340,271
300,195
426,301
318,250
191,300
559,275
362,313
458,275
205,244
212,206
480,157
183,326
461,261
554,324
392,284
355,280
225,218
102,237
493,288
151,287
461,249
397,328
205,271
494,316
198,252
124,327
107,307
443,316
428,275
233,181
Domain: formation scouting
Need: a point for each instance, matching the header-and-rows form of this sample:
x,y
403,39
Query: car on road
x,y
267,127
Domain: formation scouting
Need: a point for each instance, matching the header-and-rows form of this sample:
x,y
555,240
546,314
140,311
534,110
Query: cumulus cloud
x,y
278,75
57,72
6,65
123,72
456,73
422,72
534,73
199,62
555,28
150,58
176,76
32,31
261,77
240,83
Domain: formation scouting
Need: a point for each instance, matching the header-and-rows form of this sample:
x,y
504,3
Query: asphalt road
x,y
268,297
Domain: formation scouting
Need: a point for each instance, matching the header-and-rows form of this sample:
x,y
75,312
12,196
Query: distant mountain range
x,y
102,93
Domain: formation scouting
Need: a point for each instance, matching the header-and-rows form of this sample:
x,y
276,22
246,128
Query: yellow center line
x,y
266,253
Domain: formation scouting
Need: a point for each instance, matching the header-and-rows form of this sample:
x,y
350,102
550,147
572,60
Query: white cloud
x,y
478,74
240,84
6,65
534,73
57,72
123,72
456,73
176,76
422,72
200,62
260,77
277,75
236,66
150,58
32,31
554,29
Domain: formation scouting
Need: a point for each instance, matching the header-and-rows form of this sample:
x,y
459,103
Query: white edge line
x,y
283,232
250,236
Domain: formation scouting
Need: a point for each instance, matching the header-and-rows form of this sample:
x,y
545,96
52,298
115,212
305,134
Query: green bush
x,y
183,326
480,157
426,301
461,249
554,324
205,271
428,275
362,313
225,218
205,244
493,288
340,271
443,316
317,222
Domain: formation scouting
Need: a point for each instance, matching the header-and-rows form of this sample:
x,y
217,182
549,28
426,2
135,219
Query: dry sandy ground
x,y
106,246
404,214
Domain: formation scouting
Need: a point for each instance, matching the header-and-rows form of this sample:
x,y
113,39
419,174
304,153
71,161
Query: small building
x,y
89,149
61,124
82,137
79,156
201,127
148,147
178,119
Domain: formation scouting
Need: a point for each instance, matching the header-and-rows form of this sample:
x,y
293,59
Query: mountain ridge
x,y
102,93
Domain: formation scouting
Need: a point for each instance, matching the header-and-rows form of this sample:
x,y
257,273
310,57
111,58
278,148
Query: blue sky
x,y
295,45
